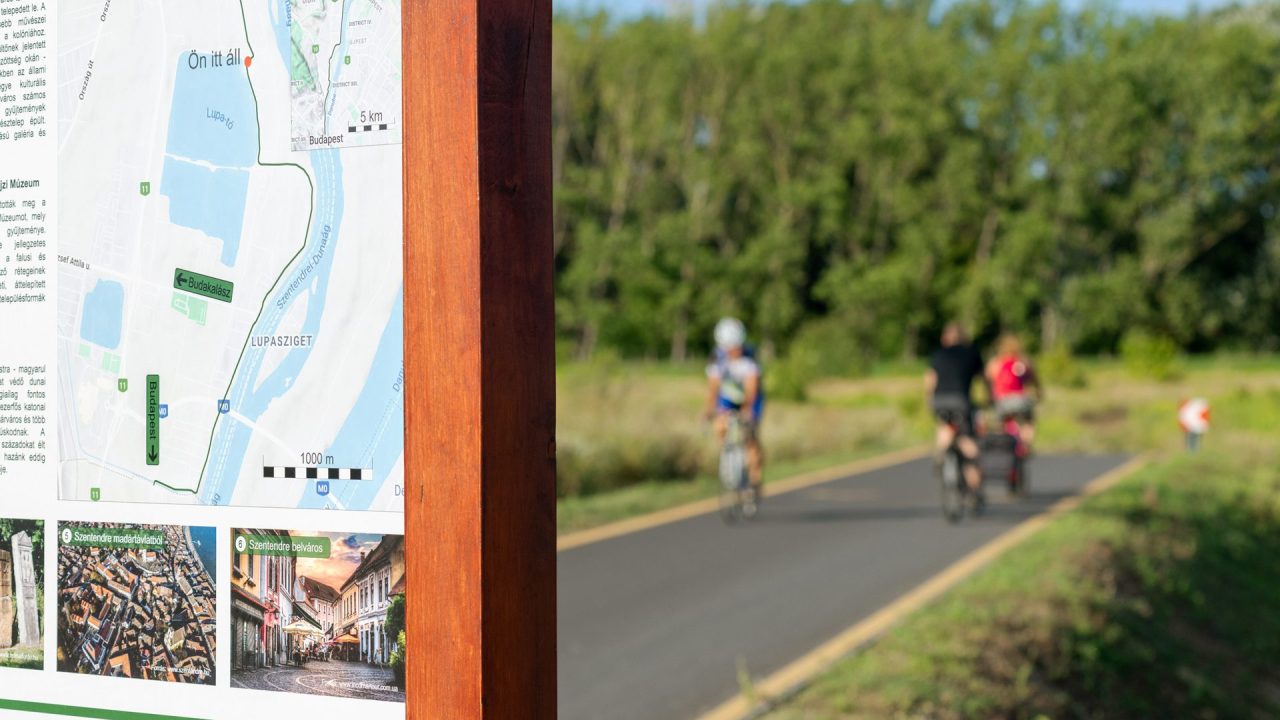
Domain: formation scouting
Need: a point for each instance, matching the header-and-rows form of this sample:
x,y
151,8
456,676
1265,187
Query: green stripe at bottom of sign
x,y
82,712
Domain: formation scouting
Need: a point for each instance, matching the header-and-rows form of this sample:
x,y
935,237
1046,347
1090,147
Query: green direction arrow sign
x,y
153,419
210,287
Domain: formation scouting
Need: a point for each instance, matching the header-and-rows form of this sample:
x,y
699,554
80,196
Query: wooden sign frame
x,y
479,359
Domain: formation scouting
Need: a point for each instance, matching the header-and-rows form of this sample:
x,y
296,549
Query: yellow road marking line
x,y
800,671
702,507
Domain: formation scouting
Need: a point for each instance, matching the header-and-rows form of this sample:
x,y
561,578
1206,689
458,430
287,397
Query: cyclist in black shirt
x,y
949,383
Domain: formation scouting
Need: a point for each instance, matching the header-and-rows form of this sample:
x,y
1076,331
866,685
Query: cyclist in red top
x,y
1012,376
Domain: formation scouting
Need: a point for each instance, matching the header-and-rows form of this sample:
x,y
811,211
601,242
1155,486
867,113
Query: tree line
x,y
849,176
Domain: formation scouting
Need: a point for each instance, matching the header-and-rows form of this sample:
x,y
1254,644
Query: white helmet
x,y
730,333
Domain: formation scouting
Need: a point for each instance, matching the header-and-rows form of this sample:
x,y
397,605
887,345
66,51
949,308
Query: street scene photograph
x,y
22,594
318,613
137,601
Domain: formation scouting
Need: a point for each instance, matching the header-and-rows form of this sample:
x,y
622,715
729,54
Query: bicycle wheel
x,y
953,490
732,467
749,501
977,501
1024,478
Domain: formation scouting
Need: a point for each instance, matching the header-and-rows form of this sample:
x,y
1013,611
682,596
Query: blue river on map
x,y
252,394
372,434
103,309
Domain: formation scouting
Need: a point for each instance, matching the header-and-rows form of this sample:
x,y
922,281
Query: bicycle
x,y
1004,454
739,499
957,497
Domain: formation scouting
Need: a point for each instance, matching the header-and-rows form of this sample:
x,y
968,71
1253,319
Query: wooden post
x,y
479,359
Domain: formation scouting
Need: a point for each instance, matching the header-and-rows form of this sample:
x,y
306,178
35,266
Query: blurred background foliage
x,y
848,176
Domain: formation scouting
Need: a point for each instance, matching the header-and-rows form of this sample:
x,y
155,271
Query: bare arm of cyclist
x,y
987,384
713,396
752,387
1033,380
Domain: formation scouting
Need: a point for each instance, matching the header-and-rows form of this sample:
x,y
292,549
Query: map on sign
x,y
230,309
344,71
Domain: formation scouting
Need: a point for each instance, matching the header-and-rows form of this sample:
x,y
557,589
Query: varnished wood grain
x,y
479,359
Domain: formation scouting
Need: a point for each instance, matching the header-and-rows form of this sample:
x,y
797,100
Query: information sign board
x,y
202,382
277,370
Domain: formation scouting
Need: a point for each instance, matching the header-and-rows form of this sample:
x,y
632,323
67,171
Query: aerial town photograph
x,y
318,613
137,601
22,593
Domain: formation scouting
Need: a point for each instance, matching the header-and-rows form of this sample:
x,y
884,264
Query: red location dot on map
x,y
248,62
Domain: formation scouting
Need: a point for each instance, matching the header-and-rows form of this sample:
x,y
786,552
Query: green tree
x,y
395,627
878,167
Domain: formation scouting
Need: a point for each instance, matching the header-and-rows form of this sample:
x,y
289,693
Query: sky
x,y
345,553
636,7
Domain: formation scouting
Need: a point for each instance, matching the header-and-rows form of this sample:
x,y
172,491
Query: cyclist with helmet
x,y
1011,376
734,386
949,383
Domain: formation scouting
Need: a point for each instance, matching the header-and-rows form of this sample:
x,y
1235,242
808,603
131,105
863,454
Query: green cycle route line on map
x,y
82,712
261,308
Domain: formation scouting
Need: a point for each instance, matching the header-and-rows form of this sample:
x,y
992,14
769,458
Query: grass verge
x,y
1156,599
582,513
631,443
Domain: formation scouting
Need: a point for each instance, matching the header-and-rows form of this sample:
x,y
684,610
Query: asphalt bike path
x,y
660,623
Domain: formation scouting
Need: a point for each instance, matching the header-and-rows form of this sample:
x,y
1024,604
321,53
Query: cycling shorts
x,y
726,405
956,410
1019,407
